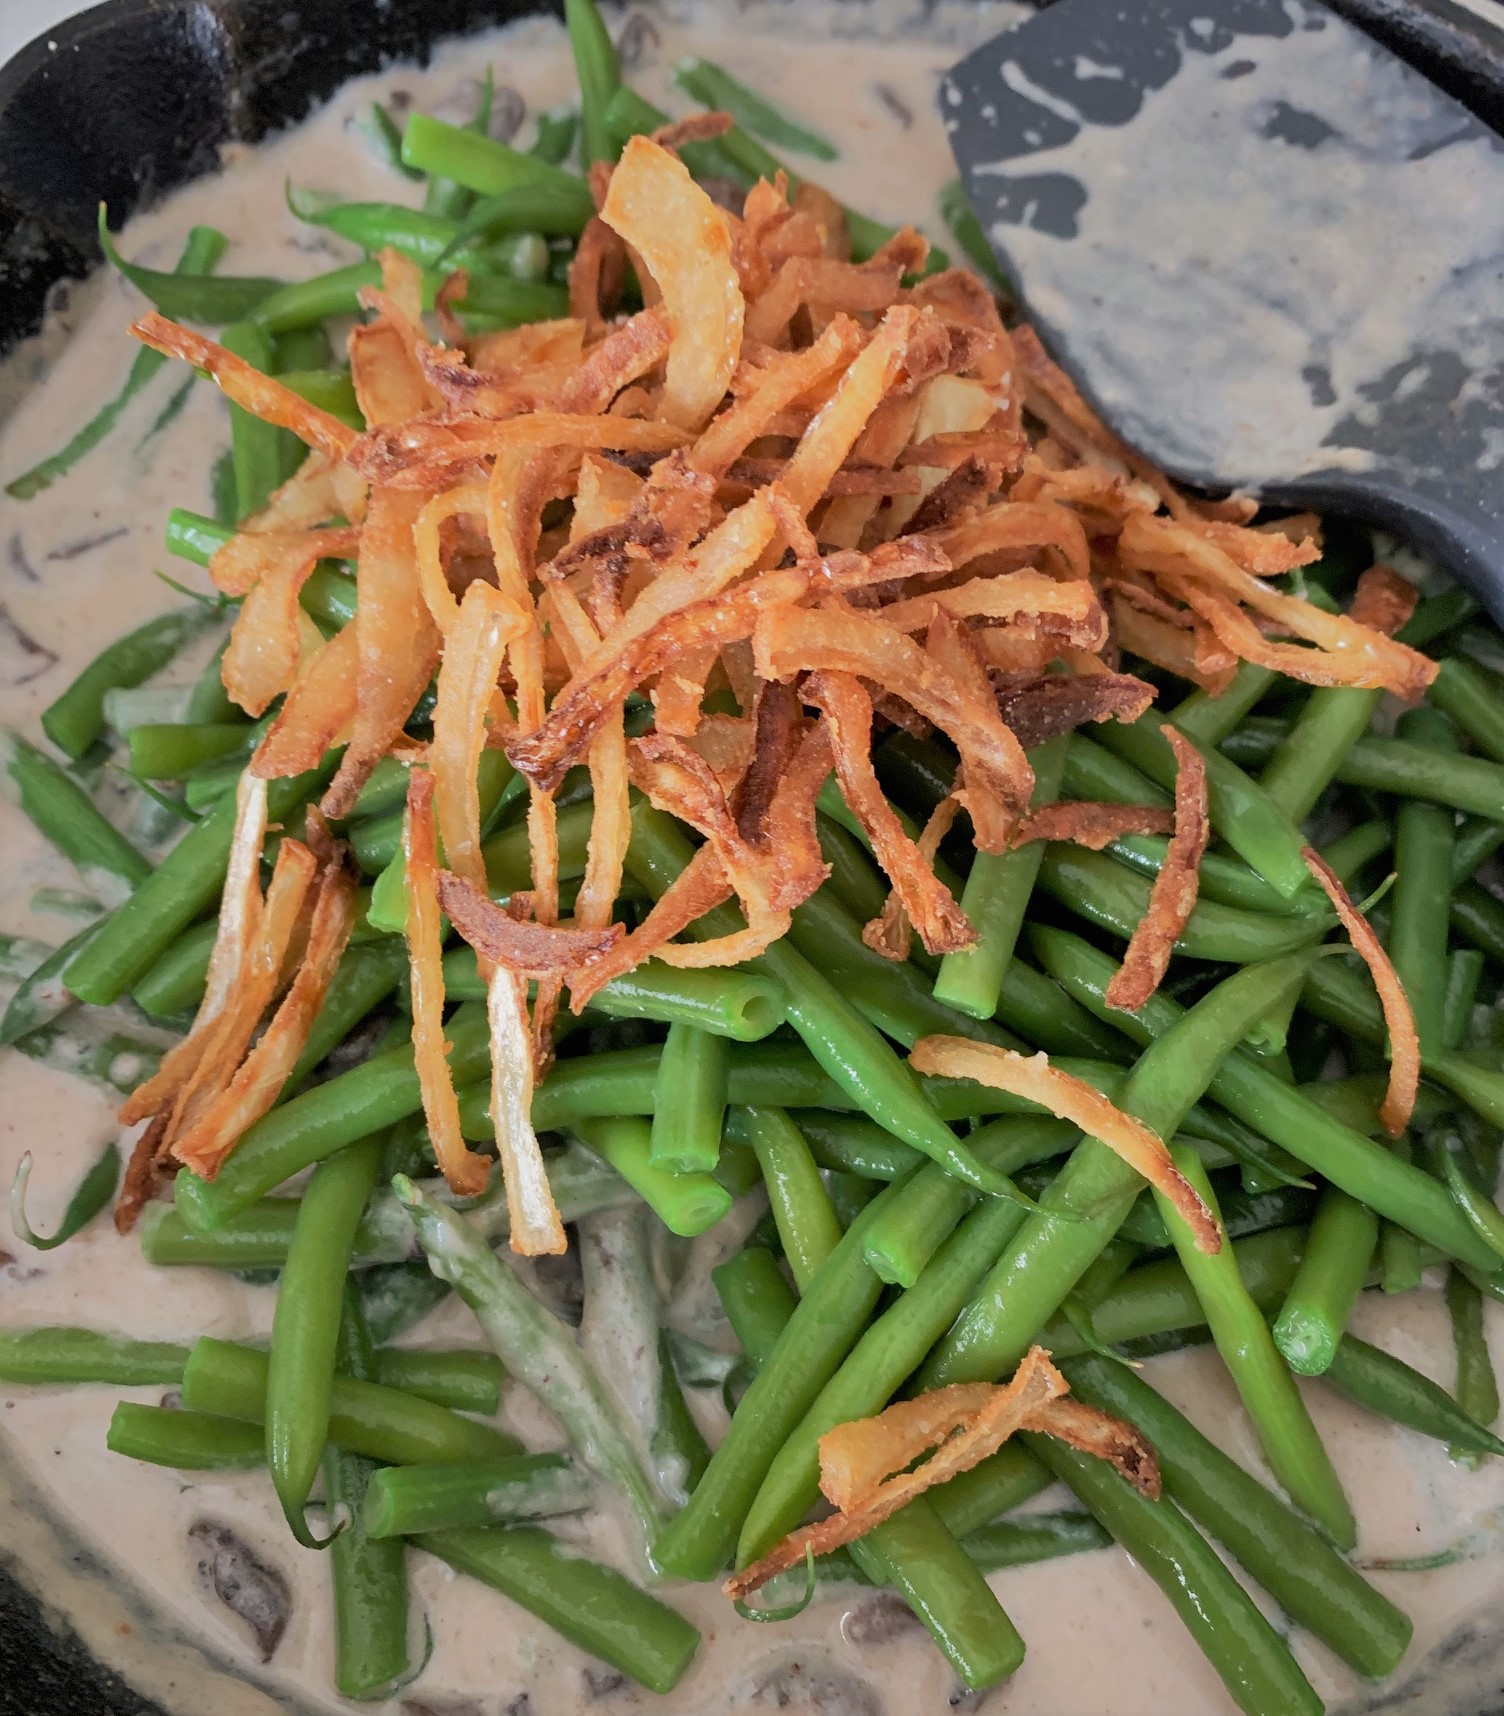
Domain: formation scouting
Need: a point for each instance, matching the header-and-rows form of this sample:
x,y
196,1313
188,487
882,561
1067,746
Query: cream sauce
x,y
1101,1637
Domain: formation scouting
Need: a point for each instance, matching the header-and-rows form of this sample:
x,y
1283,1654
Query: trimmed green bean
x,y
366,975
598,74
1479,917
1296,1565
1392,1389
756,1298
483,165
686,1203
257,1237
404,1500
1094,1191
364,1417
853,1144
1289,1439
1418,906
807,1225
189,1441
324,1119
257,446
1036,1537
170,751
629,115
966,229
1108,894
1331,720
1339,1250
64,814
1253,1661
48,1355
594,1607
714,87
178,892
689,1101
994,900
1476,842
1460,995
190,296
175,982
75,719
1003,1481
1474,701
1476,1389
1284,1115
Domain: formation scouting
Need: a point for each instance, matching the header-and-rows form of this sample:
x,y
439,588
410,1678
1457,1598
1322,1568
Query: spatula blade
x,y
1269,251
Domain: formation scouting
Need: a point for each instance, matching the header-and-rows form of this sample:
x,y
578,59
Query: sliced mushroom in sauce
x,y
251,1589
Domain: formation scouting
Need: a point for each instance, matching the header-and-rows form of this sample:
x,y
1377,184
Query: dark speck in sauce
x,y
253,1591
16,559
816,1688
894,103
30,658
86,544
638,41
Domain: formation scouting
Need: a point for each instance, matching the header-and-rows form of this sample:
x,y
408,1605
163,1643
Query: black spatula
x,y
1270,251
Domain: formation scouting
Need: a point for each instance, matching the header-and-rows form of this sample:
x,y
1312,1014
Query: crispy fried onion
x,y
1383,600
1237,605
1173,896
925,900
1404,1040
863,1464
998,779
1085,823
1043,708
529,950
1070,1098
465,1171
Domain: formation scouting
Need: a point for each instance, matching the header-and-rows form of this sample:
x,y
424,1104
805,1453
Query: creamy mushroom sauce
x,y
107,1541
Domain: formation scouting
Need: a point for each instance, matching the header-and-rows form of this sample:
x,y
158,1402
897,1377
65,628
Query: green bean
x,y
1109,895
836,1033
1003,1481
854,879
598,74
887,1353
1332,719
849,1195
556,133
1289,1439
725,1001
1437,615
175,982
89,1197
168,752
756,1298
494,301
1208,719
853,1144
369,1578
895,996
396,1297
173,896
689,1101
257,1237
944,1587
40,996
1339,1250
1423,864
1479,916
483,165
594,1607
994,900
1037,1537
1479,1208
305,1327
1253,1661
404,1500
64,814
834,1308
1477,840
629,115
330,389
1471,784
679,1449
190,1441
365,1417
47,1355
308,302
714,87
1349,852
20,955
367,973
1346,998
257,446
686,1203
75,719
192,536
966,229
324,1119
1243,1212
1476,1390
1400,1266
1242,814
1392,1389
535,1347
1095,1190
1459,995
1474,701
1280,1113
1295,1564
1092,772
190,296
807,1225
899,1247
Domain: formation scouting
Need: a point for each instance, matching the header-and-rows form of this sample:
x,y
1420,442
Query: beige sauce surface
x,y
76,570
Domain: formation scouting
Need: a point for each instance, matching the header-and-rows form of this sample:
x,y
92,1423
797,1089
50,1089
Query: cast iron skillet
x,y
134,98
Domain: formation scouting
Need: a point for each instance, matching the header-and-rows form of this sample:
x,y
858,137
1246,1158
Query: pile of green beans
x,y
909,1232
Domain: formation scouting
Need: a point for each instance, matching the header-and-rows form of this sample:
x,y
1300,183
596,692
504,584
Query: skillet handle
x,y
1459,49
